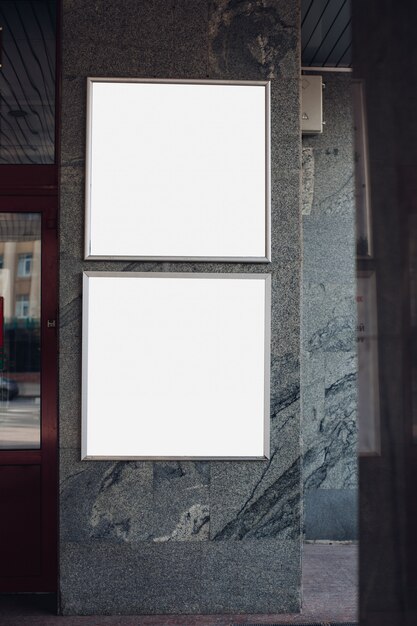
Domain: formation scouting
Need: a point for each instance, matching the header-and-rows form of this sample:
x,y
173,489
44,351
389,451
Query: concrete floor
x,y
330,584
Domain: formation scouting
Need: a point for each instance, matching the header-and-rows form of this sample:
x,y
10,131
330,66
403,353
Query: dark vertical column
x,y
385,57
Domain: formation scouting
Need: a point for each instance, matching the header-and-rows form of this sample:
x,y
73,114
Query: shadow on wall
x,y
328,350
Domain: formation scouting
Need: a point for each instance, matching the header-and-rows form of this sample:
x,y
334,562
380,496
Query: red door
x,y
29,145
28,394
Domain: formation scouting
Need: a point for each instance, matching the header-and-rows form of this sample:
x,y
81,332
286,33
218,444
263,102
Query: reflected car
x,y
8,388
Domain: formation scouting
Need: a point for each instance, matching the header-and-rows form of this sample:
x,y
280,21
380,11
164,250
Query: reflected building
x,y
20,271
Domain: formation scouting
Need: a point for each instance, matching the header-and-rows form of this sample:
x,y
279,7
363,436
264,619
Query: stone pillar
x,y
329,363
191,537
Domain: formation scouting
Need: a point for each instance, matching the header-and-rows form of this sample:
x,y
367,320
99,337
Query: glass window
x,y
24,266
22,306
20,314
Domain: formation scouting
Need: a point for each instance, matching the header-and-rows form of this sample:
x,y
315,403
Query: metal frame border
x,y
364,147
87,246
186,275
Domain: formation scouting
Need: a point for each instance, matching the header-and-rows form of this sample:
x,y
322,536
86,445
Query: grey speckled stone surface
x,y
260,500
256,576
183,537
331,512
187,516
328,257
329,365
70,400
105,500
130,502
130,578
330,426
307,192
329,318
191,577
253,37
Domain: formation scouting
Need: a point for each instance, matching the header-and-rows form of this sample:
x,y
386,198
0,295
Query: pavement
x,y
330,594
20,423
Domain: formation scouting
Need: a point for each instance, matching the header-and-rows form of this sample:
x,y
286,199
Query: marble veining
x,y
169,471
193,524
112,513
329,364
285,384
130,502
339,201
330,461
70,312
261,500
185,517
250,33
336,335
268,513
108,500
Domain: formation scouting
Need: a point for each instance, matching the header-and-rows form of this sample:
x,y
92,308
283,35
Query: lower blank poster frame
x,y
176,366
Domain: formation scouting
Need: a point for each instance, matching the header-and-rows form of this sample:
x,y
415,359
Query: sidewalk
x,y
329,588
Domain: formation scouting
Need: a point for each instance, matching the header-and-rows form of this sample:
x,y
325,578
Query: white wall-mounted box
x,y
311,104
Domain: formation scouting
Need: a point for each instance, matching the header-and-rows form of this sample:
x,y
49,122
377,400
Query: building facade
x,y
182,536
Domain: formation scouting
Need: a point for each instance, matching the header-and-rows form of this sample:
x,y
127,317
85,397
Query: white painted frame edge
x,y
88,160
186,275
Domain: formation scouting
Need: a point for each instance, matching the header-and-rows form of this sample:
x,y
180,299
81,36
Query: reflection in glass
x,y
368,380
362,188
27,81
413,316
20,310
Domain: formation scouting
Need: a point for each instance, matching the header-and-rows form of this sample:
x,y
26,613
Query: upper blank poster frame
x,y
178,170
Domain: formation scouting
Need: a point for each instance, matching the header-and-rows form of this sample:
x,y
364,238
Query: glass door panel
x,y
20,315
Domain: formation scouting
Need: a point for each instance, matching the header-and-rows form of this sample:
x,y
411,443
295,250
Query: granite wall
x,y
192,537
329,367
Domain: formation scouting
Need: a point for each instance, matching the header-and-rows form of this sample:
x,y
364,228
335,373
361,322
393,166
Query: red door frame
x,y
47,456
35,189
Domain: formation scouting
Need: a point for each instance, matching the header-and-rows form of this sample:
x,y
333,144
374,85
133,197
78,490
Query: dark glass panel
x,y
27,82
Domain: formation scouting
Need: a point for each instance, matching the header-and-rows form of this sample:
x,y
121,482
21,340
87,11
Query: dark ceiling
x,y
27,81
27,76
326,34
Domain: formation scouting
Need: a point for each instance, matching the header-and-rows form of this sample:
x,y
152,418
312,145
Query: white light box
x,y
175,366
178,170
